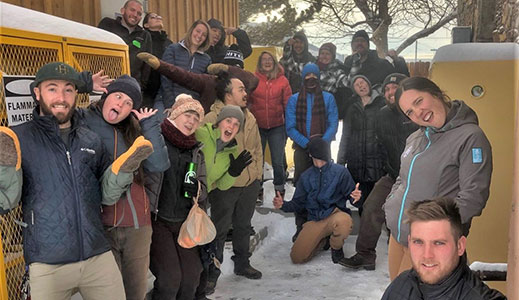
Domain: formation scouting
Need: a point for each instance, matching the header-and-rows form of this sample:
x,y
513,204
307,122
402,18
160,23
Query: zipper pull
x,y
68,157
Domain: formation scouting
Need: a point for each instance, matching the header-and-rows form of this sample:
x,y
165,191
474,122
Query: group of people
x,y
113,175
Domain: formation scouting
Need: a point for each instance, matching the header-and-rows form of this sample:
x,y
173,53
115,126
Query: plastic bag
x,y
197,229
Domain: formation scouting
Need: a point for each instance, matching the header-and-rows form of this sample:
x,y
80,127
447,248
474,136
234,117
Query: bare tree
x,y
337,19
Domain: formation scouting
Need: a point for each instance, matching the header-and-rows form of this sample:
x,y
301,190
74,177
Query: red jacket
x,y
269,100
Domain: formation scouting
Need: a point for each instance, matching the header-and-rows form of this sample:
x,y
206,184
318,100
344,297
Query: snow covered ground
x,y
317,279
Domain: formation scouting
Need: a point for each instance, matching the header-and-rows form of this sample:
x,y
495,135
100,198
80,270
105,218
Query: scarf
x,y
176,137
318,126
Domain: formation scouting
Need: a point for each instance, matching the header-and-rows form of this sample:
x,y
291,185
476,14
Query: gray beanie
x,y
230,111
129,86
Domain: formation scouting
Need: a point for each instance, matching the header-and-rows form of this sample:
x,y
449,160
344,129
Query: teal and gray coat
x,y
453,161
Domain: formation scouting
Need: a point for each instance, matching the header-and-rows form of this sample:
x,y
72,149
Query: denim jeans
x,y
276,138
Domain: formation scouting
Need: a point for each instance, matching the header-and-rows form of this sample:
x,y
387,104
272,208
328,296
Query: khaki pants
x,y
96,278
399,258
338,225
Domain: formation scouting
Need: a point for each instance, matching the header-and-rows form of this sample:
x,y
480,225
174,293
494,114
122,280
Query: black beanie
x,y
362,34
319,148
129,86
393,78
233,56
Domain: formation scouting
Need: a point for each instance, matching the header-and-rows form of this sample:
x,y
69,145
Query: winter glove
x,y
10,170
150,59
214,69
191,187
238,164
130,160
10,154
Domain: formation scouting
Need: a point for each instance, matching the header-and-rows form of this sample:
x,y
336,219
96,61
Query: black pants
x,y
372,219
177,269
302,161
234,206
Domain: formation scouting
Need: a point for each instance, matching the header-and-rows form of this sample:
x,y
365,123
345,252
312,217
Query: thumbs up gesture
x,y
278,200
356,194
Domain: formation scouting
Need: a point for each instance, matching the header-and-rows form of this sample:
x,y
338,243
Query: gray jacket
x,y
453,161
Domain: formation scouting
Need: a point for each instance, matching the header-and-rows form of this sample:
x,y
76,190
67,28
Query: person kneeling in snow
x,y
322,190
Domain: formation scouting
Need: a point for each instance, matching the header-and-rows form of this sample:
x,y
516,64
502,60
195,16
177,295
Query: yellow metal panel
x,y
488,238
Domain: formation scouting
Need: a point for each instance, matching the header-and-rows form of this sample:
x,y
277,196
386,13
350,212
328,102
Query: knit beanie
x,y
357,77
393,78
330,47
230,111
319,148
311,68
183,103
129,86
361,33
233,56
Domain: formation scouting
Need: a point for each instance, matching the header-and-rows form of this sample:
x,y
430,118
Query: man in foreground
x,y
437,248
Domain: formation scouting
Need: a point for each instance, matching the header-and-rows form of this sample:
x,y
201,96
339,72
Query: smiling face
x,y
187,122
199,35
229,127
132,13
361,87
298,46
423,108
238,94
117,107
434,251
266,63
325,56
389,92
360,45
57,98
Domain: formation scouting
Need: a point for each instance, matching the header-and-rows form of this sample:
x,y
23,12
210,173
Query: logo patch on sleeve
x,y
477,155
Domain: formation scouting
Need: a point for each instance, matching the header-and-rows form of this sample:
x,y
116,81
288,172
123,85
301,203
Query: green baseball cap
x,y
58,71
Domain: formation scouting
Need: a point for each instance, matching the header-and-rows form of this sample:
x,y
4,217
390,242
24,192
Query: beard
x,y
61,117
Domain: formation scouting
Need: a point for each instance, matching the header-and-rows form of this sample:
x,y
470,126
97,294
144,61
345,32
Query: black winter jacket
x,y
462,284
139,40
393,128
160,42
172,206
61,196
359,147
374,68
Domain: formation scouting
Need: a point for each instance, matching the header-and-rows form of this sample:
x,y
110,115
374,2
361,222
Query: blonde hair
x,y
187,38
275,70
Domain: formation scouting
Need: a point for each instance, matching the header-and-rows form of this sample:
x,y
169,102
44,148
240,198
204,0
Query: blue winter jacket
x,y
178,55
332,118
321,190
61,194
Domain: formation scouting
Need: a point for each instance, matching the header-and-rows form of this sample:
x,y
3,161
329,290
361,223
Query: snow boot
x,y
247,271
357,262
337,255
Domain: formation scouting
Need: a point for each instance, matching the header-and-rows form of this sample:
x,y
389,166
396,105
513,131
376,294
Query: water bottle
x,y
191,172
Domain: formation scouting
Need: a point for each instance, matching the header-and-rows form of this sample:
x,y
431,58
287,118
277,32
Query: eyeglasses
x,y
156,17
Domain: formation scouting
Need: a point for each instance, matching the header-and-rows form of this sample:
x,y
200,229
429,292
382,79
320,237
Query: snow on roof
x,y
16,17
477,52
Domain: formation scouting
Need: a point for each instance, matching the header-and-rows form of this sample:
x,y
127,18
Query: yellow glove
x,y
150,59
130,160
214,69
10,153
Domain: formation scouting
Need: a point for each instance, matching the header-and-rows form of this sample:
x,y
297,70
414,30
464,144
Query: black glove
x,y
191,188
238,164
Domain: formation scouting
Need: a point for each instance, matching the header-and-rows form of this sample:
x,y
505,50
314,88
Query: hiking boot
x,y
358,262
337,255
209,288
248,272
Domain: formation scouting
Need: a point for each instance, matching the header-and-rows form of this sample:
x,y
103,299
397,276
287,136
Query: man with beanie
x,y
233,57
295,57
392,130
322,191
138,40
67,176
236,205
217,51
308,114
364,61
333,78
152,23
